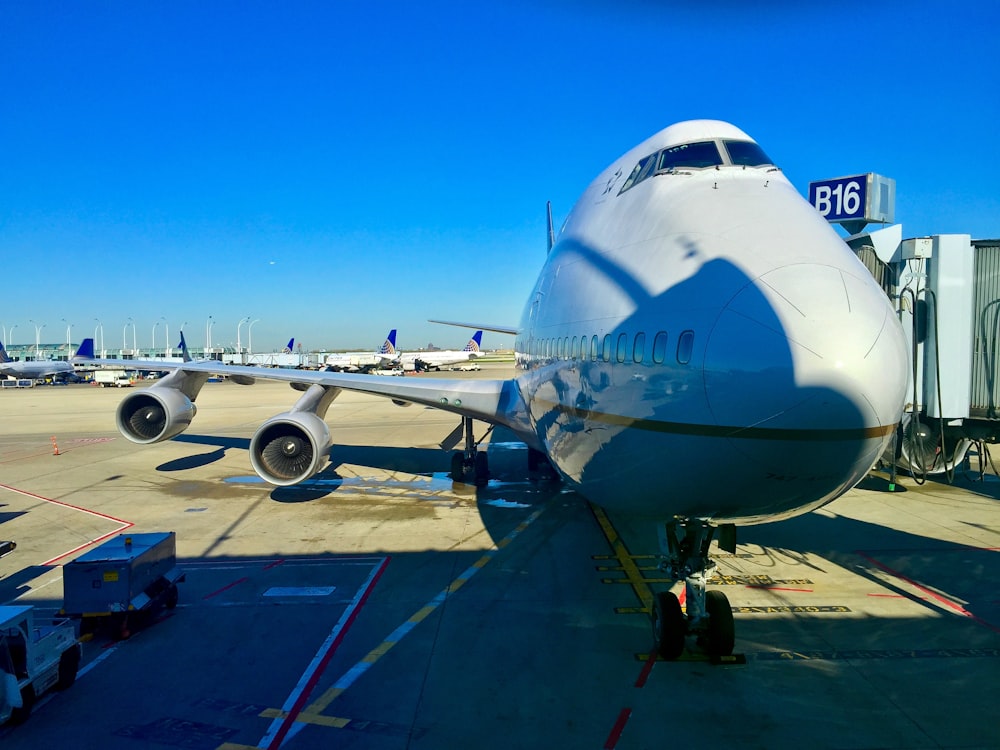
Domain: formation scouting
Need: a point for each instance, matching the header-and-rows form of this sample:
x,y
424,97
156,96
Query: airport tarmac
x,y
384,606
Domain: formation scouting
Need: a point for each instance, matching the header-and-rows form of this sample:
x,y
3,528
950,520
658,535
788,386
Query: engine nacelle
x,y
290,448
154,414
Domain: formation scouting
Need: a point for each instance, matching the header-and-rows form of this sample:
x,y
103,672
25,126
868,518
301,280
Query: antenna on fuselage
x,y
552,231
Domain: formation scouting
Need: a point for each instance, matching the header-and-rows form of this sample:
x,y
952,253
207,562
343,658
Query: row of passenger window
x,y
620,348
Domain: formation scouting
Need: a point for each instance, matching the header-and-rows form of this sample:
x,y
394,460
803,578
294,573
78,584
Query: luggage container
x,y
122,580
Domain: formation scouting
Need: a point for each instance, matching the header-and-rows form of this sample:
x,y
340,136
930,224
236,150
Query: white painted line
x,y
300,591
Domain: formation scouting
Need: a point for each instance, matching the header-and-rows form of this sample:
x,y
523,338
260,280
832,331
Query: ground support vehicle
x,y
112,379
33,659
121,582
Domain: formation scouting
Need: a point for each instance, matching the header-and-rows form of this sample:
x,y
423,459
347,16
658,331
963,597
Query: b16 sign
x,y
855,201
842,199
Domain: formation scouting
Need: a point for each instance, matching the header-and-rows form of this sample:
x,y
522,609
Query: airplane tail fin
x,y
4,357
474,342
290,346
389,347
552,231
85,350
185,354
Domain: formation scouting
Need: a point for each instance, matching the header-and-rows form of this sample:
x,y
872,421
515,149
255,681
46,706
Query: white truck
x,y
112,378
33,659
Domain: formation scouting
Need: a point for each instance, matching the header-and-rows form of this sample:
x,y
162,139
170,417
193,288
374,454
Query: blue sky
x,y
335,169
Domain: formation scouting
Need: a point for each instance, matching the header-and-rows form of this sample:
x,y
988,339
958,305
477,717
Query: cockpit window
x,y
698,155
691,155
747,154
641,172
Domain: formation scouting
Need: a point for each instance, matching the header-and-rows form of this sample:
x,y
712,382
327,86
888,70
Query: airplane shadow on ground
x,y
508,462
947,579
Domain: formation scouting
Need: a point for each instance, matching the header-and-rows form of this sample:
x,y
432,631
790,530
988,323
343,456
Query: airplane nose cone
x,y
807,364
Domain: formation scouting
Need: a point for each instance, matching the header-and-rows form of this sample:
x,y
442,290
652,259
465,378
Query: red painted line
x,y
933,595
646,669
325,661
226,587
101,538
617,729
779,588
65,505
105,516
273,564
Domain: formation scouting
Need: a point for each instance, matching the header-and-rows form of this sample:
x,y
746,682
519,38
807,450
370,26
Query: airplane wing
x,y
293,446
483,326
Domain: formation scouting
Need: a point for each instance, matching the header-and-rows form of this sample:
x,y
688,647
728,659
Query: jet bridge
x,y
946,290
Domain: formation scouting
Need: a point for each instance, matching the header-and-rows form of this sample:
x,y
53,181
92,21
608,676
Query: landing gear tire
x,y
457,466
721,629
669,627
482,469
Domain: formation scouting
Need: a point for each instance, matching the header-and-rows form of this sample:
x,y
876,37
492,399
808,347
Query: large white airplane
x,y
43,368
365,361
700,349
435,360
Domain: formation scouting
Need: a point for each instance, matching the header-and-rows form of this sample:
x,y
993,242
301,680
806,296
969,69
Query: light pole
x,y
100,326
208,335
152,343
250,335
9,341
124,340
69,334
166,351
239,344
38,335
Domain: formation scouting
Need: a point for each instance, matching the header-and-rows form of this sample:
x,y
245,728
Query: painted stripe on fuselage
x,y
707,430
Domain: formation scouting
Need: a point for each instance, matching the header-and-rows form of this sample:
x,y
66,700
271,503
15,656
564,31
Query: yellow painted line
x,y
337,722
345,681
633,575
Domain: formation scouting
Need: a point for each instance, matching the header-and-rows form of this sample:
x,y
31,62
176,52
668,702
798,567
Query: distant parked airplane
x,y
43,368
435,360
365,361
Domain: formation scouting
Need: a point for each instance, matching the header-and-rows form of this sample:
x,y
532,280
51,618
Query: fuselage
x,y
35,369
701,343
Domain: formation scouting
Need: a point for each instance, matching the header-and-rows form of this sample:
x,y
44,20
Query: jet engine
x,y
290,448
154,414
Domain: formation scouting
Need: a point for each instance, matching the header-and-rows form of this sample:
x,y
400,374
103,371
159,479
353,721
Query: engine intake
x,y
154,414
290,448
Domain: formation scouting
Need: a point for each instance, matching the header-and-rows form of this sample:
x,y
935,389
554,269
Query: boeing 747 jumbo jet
x,y
700,349
43,368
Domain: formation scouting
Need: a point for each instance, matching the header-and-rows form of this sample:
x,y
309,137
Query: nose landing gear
x,y
709,616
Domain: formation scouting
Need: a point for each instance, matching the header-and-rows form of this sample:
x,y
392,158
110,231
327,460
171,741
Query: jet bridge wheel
x,y
669,626
721,634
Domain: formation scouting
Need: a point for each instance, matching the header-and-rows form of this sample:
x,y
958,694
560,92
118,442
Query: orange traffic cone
x,y
55,448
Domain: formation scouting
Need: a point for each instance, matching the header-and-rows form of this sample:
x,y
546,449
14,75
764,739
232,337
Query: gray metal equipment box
x,y
123,574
